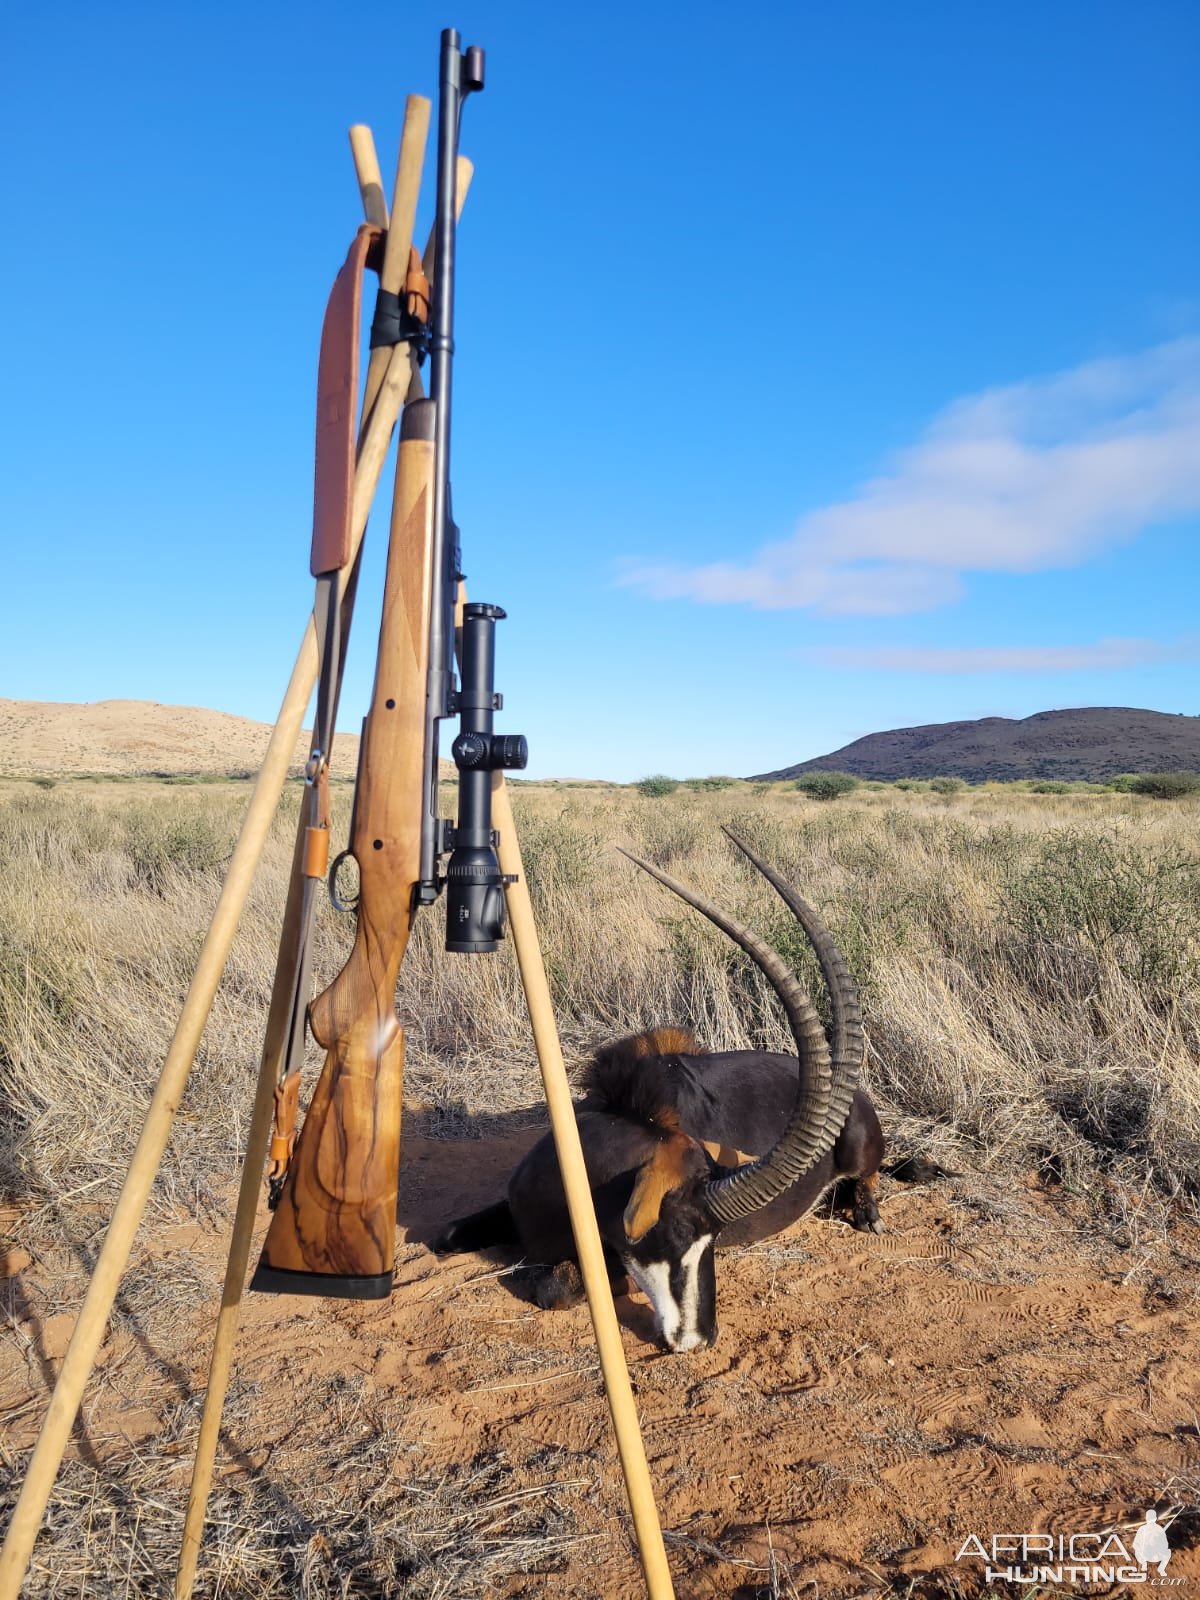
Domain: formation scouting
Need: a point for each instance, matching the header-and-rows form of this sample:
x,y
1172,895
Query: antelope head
x,y
682,1197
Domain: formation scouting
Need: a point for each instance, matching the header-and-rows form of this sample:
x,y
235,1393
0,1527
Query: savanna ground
x,y
1018,1350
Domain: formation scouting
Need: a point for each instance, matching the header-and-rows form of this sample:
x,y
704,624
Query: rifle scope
x,y
474,882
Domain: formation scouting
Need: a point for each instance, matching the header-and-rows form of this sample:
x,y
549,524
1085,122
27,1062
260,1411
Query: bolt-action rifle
x,y
334,1194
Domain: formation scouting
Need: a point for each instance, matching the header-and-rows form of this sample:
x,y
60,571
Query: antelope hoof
x,y
562,1286
446,1243
866,1210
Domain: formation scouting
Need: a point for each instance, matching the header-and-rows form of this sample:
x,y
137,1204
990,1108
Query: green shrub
x,y
158,839
560,850
716,781
1049,786
946,785
1103,895
826,785
658,784
916,784
1167,785
1124,782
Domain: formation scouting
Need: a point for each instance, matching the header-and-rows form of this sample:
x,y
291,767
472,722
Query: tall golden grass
x,y
1030,966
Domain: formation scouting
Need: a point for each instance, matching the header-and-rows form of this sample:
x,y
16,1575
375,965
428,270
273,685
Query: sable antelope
x,y
666,1128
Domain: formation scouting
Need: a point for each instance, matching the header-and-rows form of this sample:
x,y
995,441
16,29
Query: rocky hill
x,y
1092,743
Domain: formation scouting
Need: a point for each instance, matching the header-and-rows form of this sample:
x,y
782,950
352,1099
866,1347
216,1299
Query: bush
x,y
658,784
1105,896
158,842
826,785
917,784
1123,782
1049,786
946,785
1167,785
717,781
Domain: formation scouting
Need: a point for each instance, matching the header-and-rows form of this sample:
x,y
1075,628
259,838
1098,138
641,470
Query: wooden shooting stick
x,y
118,1241
370,179
561,1107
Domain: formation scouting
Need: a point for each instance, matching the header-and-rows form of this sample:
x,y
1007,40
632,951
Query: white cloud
x,y
1111,654
1038,475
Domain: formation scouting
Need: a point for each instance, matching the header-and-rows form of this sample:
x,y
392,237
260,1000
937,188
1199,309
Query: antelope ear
x,y
664,1171
725,1155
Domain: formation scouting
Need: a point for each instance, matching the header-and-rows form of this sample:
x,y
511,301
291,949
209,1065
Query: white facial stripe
x,y
691,1289
676,1323
654,1280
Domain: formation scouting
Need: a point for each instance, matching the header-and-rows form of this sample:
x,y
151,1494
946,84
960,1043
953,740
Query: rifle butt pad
x,y
280,1280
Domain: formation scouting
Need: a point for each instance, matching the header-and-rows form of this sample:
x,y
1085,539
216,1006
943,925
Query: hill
x,y
1092,743
129,738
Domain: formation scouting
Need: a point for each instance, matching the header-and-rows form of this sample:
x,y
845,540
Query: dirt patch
x,y
990,1364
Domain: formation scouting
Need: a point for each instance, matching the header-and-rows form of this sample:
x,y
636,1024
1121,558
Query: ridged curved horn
x,y
849,1043
806,1138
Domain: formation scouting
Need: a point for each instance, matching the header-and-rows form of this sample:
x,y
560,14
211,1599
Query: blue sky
x,y
821,368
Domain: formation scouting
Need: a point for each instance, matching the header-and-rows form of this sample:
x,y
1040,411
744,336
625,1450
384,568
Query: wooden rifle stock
x,y
335,1226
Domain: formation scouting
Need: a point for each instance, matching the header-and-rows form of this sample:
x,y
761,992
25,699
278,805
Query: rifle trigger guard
x,y
335,899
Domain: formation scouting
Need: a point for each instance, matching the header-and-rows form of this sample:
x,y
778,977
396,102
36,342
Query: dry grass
x,y
114,1532
1030,965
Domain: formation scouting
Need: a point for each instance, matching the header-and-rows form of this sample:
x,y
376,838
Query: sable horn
x,y
849,1042
807,1136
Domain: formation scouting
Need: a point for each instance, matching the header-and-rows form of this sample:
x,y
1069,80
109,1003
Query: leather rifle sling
x,y
333,494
